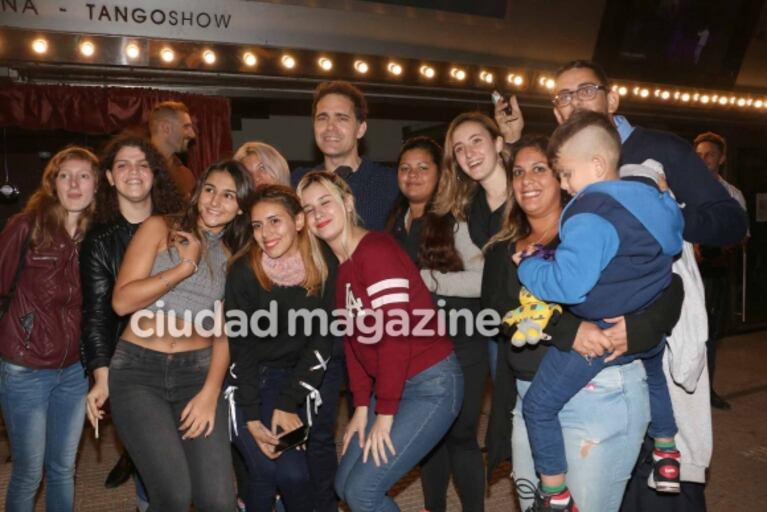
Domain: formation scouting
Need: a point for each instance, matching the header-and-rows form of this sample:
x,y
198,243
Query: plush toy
x,y
530,319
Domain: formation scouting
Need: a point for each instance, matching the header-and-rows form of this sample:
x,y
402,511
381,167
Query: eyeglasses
x,y
584,93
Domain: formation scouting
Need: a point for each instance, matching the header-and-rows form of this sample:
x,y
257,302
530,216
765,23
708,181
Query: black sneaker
x,y
665,471
561,501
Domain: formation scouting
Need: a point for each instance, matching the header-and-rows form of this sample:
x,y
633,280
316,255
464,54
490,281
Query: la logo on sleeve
x,y
354,305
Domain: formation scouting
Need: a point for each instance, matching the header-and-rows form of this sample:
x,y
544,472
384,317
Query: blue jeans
x,y
560,376
288,473
429,404
44,412
603,426
492,356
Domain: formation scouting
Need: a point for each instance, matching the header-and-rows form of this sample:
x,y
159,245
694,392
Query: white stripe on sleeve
x,y
389,299
386,284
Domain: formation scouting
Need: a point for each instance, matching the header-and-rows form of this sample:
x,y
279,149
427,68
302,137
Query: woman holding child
x,y
604,423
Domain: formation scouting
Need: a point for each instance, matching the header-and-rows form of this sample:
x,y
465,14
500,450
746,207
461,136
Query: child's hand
x,y
662,183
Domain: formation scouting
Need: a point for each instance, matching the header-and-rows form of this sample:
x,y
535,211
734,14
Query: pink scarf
x,y
286,271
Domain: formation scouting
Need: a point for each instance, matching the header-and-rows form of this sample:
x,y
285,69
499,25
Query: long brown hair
x,y
515,225
237,231
456,189
437,247
284,196
45,208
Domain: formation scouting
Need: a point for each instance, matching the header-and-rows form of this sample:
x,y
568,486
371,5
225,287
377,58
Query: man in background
x,y
171,132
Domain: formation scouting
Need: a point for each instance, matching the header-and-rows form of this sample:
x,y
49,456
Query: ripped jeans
x,y
603,426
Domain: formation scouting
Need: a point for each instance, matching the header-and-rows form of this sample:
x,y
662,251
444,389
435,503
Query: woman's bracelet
x,y
165,281
189,260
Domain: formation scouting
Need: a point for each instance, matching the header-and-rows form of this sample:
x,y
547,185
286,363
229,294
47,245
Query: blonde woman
x,y
407,387
264,164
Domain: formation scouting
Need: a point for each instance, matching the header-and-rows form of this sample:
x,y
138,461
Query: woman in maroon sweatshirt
x,y
405,380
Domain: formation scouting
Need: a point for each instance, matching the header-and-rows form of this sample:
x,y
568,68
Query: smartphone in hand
x,y
292,439
497,96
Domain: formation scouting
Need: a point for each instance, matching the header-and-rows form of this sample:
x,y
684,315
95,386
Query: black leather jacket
x,y
101,255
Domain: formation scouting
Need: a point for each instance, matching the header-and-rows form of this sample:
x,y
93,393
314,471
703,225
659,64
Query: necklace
x,y
545,233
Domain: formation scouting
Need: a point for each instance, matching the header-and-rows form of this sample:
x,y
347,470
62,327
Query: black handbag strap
x,y
5,303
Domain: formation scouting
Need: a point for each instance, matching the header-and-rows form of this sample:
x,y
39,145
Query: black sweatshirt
x,y
278,349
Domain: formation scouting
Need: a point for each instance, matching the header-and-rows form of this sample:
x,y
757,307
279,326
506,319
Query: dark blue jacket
x,y
374,187
619,239
711,216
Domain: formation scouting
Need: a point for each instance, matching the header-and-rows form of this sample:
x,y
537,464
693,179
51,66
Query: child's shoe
x,y
665,471
561,501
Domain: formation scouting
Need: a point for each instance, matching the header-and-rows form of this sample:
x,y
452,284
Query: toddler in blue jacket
x,y
618,241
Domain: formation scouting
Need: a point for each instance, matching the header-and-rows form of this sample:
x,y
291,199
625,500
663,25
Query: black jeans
x,y
148,392
321,449
288,473
458,453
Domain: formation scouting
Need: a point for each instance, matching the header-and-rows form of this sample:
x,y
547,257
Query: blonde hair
x,y
45,208
272,160
456,189
339,190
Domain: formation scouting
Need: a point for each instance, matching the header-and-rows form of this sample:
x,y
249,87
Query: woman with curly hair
x,y
166,372
139,186
42,383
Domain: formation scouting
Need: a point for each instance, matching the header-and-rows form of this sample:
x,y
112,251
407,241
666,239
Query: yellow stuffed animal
x,y
530,319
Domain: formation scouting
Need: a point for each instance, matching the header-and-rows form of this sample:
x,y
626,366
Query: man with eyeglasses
x,y
712,218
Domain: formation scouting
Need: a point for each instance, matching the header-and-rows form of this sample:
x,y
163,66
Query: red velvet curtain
x,y
104,110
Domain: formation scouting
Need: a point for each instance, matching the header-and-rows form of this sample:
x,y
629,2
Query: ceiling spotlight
x,y
40,46
132,51
458,74
644,93
664,95
288,61
758,104
657,92
518,80
723,101
394,68
360,66
550,84
685,97
542,81
622,90
715,98
704,99
749,102
209,56
167,55
325,63
249,59
695,97
510,78
732,100
486,77
636,91
87,48
427,71
741,102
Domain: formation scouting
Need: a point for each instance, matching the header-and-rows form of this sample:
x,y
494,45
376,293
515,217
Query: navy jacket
x,y
374,187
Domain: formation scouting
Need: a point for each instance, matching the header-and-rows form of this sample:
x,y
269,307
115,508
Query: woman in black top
x,y
451,267
607,419
278,364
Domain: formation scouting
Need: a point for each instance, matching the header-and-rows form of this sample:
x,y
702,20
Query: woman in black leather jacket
x,y
138,186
